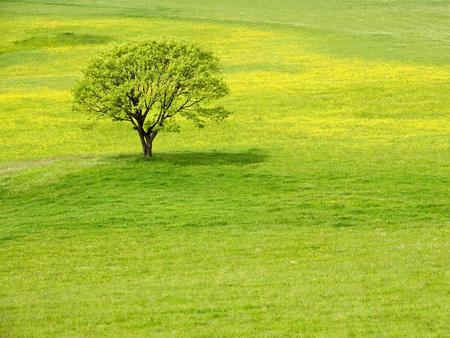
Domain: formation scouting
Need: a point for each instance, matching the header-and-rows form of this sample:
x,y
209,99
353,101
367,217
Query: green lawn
x,y
319,208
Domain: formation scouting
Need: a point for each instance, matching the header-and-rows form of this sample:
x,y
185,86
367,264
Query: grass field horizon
x,y
320,207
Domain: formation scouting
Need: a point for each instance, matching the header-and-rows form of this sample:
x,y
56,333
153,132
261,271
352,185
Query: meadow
x,y
320,207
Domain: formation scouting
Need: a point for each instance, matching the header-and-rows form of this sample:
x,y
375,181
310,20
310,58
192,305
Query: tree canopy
x,y
150,83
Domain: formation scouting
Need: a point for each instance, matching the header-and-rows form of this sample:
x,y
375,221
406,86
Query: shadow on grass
x,y
212,158
250,156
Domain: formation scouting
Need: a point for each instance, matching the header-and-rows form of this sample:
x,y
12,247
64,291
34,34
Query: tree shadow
x,y
250,156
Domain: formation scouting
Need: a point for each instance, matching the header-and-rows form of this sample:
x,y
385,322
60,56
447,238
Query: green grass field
x,y
319,208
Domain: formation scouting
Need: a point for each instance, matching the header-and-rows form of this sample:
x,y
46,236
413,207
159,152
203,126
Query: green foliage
x,y
150,83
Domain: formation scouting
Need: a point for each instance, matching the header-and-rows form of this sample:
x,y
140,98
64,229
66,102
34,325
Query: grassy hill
x,y
319,208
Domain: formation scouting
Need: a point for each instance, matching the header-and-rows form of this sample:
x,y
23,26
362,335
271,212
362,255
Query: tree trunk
x,y
148,149
147,143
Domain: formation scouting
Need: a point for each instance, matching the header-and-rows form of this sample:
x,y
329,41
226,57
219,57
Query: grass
x,y
319,208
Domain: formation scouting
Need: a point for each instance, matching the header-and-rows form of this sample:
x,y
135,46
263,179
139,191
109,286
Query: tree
x,y
149,84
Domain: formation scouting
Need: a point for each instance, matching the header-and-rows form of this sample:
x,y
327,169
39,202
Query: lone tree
x,y
149,84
